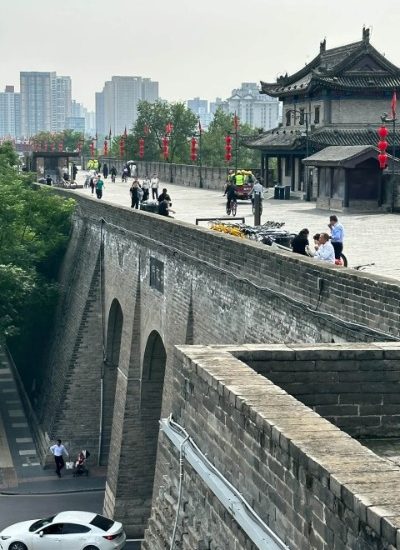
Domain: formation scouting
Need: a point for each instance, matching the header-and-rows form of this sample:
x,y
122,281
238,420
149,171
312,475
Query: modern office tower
x,y
10,113
116,105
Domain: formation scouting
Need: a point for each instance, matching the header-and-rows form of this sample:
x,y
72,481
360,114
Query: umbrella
x,y
131,162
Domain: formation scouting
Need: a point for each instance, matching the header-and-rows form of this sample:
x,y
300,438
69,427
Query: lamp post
x,y
304,117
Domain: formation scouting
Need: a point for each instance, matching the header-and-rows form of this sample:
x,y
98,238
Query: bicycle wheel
x,y
344,259
228,210
234,208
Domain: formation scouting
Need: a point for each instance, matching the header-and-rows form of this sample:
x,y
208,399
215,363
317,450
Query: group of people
x,y
328,247
140,193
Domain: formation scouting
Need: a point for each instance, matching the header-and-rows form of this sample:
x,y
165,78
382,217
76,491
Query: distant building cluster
x,y
117,105
252,108
43,104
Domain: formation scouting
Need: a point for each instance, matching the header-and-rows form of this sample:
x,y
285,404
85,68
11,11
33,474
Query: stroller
x,y
80,468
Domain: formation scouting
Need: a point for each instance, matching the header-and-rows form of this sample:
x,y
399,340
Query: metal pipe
x,y
178,506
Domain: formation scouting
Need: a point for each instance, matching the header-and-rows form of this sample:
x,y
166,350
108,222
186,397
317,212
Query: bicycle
x,y
231,208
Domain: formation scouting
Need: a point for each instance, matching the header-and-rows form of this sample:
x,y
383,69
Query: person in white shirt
x,y
325,251
155,182
146,188
58,451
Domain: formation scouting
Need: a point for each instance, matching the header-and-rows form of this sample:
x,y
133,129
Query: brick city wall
x,y
214,289
312,484
355,388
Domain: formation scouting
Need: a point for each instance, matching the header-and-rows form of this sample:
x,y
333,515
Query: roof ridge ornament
x,y
366,34
322,46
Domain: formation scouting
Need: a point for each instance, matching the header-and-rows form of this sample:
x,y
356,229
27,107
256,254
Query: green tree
x,y
35,227
213,143
151,126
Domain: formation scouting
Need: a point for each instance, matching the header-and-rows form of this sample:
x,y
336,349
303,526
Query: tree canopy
x,y
35,226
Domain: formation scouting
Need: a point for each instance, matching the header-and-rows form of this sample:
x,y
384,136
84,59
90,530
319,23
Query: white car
x,y
65,531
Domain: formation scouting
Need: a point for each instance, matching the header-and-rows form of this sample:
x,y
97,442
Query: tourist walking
x,y
337,235
105,171
99,187
125,173
135,194
146,188
113,173
58,451
92,183
155,182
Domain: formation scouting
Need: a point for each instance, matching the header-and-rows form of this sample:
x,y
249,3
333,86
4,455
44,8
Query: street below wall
x,y
370,238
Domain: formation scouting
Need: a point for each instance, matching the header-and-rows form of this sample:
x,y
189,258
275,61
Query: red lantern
x,y
169,127
121,147
105,148
61,146
193,149
45,146
141,148
382,145
92,149
383,132
382,158
165,148
228,148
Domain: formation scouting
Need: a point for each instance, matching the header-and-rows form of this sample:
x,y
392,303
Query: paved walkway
x,y
20,469
370,238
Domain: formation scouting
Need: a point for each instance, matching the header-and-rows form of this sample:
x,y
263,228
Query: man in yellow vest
x,y
239,179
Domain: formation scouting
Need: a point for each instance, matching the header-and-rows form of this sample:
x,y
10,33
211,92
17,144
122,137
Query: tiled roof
x,y
278,139
335,154
382,82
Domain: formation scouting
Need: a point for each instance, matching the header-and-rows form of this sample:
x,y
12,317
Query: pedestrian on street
x,y
58,451
92,183
164,208
105,171
146,188
135,194
155,182
337,235
74,171
300,243
99,187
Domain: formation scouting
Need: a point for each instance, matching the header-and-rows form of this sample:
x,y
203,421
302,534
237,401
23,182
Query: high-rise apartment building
x,y
116,105
252,108
45,102
36,98
60,102
200,108
10,113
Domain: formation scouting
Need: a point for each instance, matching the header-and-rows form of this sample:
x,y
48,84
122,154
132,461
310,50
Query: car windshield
x,y
102,523
41,523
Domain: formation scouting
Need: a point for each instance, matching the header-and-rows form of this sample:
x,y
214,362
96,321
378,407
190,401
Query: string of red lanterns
x,y
382,146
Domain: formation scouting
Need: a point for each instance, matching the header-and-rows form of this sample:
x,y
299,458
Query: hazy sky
x,y
203,48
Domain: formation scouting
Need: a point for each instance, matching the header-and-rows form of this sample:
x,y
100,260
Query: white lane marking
x,y
19,425
14,402
24,440
5,380
31,464
4,371
30,452
9,390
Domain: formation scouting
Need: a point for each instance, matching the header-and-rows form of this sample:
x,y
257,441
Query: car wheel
x,y
90,548
17,546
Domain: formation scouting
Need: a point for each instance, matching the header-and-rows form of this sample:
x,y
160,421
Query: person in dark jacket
x,y
300,242
135,194
164,196
105,171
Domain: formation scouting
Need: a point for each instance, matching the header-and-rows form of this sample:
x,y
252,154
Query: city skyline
x,y
196,52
